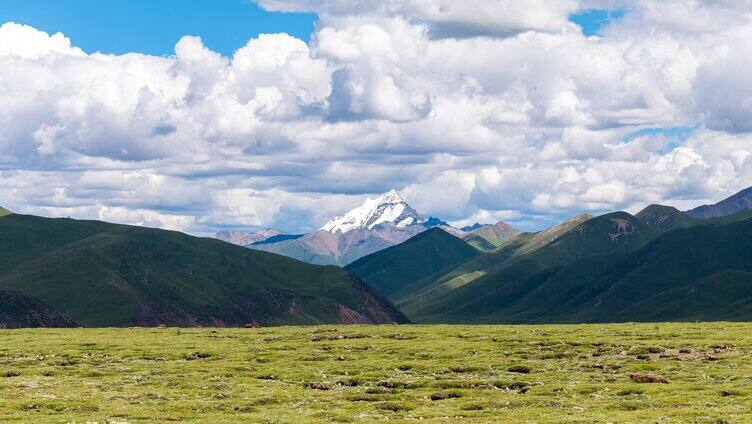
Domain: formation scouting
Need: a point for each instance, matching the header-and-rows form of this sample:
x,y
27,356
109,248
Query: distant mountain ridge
x,y
468,228
488,237
326,248
276,239
387,220
377,224
738,202
244,238
660,264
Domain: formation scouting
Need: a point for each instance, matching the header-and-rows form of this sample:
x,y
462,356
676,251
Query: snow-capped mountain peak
x,y
388,208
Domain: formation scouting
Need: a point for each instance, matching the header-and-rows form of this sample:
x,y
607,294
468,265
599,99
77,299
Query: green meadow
x,y
619,373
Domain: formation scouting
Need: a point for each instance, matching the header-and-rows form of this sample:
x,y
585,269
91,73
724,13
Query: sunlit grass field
x,y
536,374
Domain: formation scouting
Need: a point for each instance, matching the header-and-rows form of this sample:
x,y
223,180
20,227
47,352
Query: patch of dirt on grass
x,y
445,395
317,385
647,377
349,382
395,406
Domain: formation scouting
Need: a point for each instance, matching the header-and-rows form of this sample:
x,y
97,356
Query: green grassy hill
x,y
423,255
703,258
430,287
697,273
102,274
470,294
690,273
610,232
424,290
665,217
479,242
724,295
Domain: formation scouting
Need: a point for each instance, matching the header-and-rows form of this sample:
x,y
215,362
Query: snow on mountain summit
x,y
387,208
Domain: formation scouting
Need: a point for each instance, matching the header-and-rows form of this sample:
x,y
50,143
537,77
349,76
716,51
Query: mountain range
x,y
660,264
377,224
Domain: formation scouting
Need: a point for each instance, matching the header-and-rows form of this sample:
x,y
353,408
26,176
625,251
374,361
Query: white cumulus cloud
x,y
475,111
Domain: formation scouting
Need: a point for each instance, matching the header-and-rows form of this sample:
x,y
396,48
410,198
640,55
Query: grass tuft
x,y
522,369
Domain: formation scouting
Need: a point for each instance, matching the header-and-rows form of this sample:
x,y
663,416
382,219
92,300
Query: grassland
x,y
542,374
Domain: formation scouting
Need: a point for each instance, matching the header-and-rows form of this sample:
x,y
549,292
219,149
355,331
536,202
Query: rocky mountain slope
x,y
378,223
244,238
389,208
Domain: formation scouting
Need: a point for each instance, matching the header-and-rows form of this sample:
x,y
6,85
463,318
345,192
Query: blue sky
x,y
153,27
592,20
674,135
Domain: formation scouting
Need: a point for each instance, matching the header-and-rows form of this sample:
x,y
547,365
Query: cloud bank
x,y
494,111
